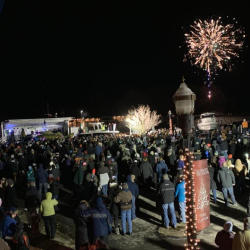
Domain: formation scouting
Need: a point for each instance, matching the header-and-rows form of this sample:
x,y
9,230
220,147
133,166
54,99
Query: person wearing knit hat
x,y
224,238
222,159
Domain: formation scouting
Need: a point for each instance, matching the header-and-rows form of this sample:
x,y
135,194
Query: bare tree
x,y
140,120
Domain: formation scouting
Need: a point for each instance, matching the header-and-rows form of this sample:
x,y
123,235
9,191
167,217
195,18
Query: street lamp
x,y
81,113
184,100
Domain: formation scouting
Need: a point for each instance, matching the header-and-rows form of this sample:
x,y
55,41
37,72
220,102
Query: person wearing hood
x,y
240,172
47,210
9,224
134,189
101,220
241,240
42,177
161,169
124,198
226,178
81,226
224,238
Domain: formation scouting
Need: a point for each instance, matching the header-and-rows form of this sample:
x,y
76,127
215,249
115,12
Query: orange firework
x,y
212,45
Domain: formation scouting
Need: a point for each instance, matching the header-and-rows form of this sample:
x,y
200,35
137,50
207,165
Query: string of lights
x,y
191,233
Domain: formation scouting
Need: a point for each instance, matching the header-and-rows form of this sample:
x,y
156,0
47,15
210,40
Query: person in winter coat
x,y
213,185
9,224
134,169
241,240
78,178
224,148
10,194
124,198
146,171
101,220
171,159
30,175
42,178
104,179
166,192
224,238
32,198
240,172
161,169
81,226
114,207
98,151
112,169
134,189
90,188
47,210
226,178
180,194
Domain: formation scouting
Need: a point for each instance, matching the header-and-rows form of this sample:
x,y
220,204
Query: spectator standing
x,y
124,198
180,194
166,192
226,177
134,189
241,240
47,209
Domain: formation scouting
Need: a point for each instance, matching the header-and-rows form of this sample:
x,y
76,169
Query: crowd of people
x,y
106,174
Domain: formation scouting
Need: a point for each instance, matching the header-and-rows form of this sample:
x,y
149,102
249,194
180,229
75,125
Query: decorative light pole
x,y
170,122
184,100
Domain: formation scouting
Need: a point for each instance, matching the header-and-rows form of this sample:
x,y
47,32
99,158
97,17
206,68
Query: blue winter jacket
x,y
102,220
8,227
42,175
161,168
133,187
98,150
180,191
180,164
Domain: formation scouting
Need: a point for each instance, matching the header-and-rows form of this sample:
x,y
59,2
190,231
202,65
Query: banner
x,y
202,194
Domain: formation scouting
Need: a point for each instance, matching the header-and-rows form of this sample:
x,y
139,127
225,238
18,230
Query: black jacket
x,y
223,145
226,177
166,191
10,197
146,170
212,179
81,224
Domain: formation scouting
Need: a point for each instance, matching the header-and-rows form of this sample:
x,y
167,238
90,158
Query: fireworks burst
x,y
212,45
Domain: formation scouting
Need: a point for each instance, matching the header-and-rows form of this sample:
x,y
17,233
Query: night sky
x,y
105,58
